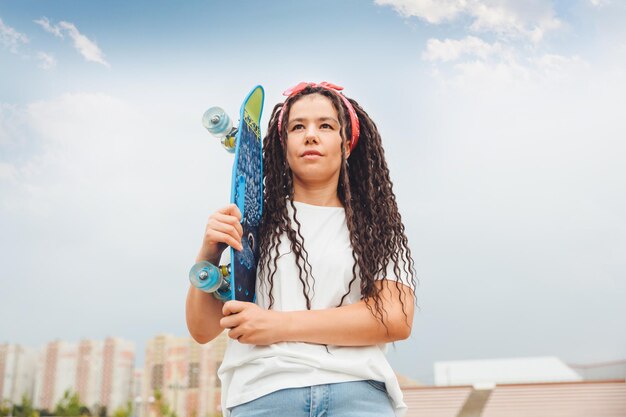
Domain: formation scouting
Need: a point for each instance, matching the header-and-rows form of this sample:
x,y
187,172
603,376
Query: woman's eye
x,y
296,127
326,126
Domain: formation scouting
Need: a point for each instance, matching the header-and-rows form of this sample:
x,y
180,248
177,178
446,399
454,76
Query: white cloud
x,y
505,18
598,3
512,73
509,18
88,48
432,11
555,65
45,24
472,63
11,122
82,149
515,31
10,38
452,49
47,61
85,46
97,187
7,171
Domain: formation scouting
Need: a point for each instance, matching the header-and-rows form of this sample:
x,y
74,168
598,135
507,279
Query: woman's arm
x,y
354,324
202,310
203,313
351,325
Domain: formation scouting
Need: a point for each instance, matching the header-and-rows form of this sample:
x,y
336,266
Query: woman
x,y
336,276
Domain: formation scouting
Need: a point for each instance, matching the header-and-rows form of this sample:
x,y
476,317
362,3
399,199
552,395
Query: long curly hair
x,y
365,190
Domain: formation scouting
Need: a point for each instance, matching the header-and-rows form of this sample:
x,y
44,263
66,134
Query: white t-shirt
x,y
250,371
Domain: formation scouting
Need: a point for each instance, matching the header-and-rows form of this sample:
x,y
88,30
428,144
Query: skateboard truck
x,y
212,279
220,125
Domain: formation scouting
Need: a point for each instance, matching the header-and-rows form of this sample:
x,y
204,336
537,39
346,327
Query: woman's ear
x,y
347,149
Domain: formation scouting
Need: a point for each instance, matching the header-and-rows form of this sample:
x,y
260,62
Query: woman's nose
x,y
311,133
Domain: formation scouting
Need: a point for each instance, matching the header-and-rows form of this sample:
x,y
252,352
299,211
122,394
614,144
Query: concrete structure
x,y
18,365
601,371
571,399
135,393
118,363
520,387
56,373
503,371
88,371
185,373
100,372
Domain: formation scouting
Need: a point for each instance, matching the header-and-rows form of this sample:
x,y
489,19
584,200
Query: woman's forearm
x,y
353,325
203,313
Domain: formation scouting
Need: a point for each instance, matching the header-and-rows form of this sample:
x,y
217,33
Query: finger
x,y
235,333
232,210
233,307
215,236
229,322
227,228
227,221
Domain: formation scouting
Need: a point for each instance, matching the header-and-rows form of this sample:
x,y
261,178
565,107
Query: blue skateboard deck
x,y
237,280
247,194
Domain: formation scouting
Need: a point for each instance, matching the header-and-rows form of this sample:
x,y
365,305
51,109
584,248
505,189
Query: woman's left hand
x,y
249,323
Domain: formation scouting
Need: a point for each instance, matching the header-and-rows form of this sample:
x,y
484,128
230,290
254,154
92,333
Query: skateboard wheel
x,y
205,276
217,122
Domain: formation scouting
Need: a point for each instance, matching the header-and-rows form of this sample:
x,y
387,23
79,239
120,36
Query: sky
x,y
503,128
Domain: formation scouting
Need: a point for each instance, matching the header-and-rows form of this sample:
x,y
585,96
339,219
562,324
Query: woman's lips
x,y
311,154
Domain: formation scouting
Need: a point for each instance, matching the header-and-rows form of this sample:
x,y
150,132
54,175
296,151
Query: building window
x,y
157,376
194,374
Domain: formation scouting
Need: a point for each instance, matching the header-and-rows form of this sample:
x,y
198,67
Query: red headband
x,y
354,120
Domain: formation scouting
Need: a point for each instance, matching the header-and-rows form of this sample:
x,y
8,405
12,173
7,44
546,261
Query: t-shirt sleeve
x,y
402,274
225,257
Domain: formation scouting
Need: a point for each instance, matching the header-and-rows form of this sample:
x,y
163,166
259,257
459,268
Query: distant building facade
x,y
520,387
100,372
56,373
601,371
118,364
17,372
184,373
504,371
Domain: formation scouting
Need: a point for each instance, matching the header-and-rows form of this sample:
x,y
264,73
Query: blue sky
x,y
501,121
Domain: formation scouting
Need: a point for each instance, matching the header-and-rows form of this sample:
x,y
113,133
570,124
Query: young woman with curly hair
x,y
335,279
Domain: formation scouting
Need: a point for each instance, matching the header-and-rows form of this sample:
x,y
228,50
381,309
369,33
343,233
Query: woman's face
x,y
314,141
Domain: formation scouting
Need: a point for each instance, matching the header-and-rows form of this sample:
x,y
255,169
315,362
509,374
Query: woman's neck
x,y
316,194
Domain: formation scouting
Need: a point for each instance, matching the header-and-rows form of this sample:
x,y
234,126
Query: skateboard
x,y
236,281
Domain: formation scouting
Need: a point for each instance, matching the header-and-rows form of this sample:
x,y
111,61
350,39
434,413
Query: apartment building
x,y
185,373
17,372
99,371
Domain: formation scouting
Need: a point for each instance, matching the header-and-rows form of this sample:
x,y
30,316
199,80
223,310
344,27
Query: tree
x,y
69,405
26,409
161,406
5,408
126,411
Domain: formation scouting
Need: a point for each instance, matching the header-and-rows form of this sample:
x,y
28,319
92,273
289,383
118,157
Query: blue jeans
x,y
345,399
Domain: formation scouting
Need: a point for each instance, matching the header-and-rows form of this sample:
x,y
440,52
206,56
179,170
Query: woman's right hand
x,y
223,229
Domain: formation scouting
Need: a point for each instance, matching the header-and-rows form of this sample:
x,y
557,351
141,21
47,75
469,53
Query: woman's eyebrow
x,y
319,119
